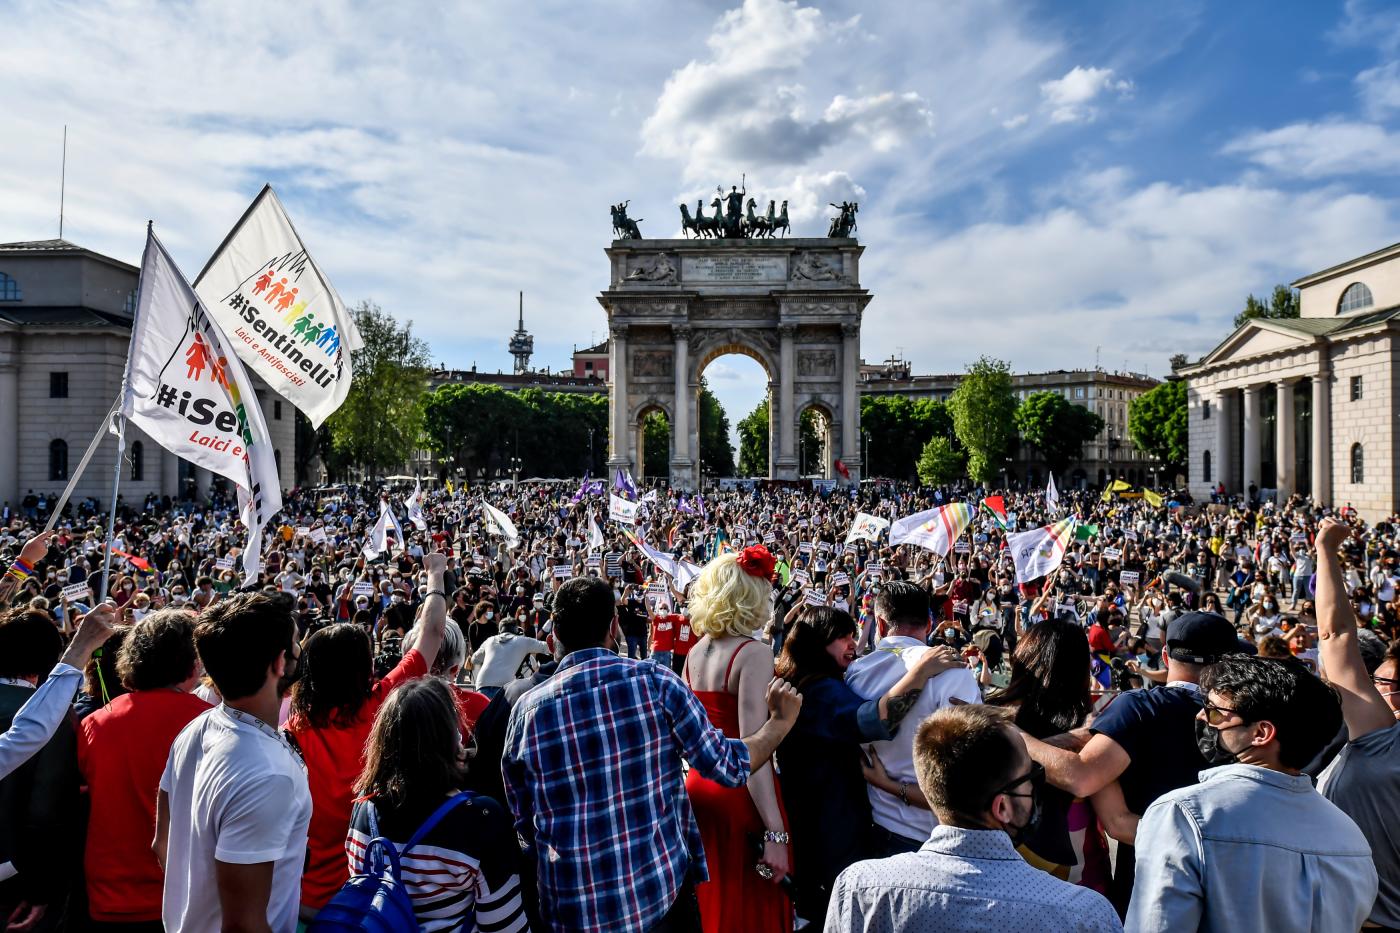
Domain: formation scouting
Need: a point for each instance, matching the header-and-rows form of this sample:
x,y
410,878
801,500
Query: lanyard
x,y
262,727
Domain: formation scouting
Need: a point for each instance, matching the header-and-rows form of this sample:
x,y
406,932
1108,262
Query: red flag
x,y
140,563
998,505
841,468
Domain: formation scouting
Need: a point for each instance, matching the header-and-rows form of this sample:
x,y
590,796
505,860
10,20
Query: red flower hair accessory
x,y
756,561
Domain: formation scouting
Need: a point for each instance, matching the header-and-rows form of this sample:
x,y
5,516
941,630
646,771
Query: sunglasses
x,y
1036,775
1215,715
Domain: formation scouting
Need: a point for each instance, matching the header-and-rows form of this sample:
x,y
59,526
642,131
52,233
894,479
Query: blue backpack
x,y
377,900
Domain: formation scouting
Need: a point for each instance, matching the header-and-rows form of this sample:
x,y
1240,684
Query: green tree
x,y
380,423
898,428
716,454
983,407
1057,428
753,441
656,446
1283,303
1157,423
940,462
478,427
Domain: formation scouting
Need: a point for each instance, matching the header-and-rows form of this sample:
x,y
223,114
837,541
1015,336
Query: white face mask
x,y
490,615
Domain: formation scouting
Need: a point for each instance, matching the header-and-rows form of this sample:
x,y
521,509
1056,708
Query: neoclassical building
x,y
1308,404
65,325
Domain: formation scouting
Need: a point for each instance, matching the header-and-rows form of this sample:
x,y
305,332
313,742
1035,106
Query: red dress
x,y
735,898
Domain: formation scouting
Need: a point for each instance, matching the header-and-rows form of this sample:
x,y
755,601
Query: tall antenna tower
x,y
521,343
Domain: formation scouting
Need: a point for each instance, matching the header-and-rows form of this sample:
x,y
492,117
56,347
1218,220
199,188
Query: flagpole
x,y
121,429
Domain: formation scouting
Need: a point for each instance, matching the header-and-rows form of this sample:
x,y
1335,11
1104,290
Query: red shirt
x,y
334,757
1099,639
470,706
122,749
663,632
685,638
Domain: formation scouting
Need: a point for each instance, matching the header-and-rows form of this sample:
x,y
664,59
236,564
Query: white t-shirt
x,y
872,676
238,794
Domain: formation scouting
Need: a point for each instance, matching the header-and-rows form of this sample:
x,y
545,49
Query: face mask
x,y
490,616
290,676
1208,744
1019,834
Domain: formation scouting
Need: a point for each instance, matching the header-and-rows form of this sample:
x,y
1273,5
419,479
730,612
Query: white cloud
x,y
745,106
1379,88
1321,150
1070,99
1017,121
1140,270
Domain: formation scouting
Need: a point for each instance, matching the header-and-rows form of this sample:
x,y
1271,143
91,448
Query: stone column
x,y
1284,449
620,435
682,473
1250,455
1220,463
1322,438
169,472
9,425
202,480
850,400
782,409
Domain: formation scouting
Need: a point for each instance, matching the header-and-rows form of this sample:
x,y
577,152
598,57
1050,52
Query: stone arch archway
x,y
640,412
795,306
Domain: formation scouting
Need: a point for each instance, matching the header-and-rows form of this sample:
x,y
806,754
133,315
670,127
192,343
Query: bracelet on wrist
x,y
781,838
436,593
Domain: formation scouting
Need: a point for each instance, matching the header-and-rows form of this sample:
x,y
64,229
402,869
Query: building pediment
x,y
1258,338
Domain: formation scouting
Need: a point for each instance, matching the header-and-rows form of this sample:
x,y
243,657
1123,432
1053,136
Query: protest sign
x,y
962,547
362,589
801,577
840,579
75,592
1112,553
224,563
1128,578
815,598
317,535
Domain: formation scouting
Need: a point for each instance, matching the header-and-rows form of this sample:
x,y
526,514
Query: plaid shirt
x,y
592,770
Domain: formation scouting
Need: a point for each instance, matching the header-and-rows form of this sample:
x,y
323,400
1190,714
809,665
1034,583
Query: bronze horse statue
x,y
755,226
781,222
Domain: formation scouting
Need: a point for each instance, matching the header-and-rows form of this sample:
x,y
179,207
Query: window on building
x,y
1205,410
277,459
276,411
9,289
1356,388
138,461
1356,297
58,385
58,459
1205,466
130,306
1358,464
588,365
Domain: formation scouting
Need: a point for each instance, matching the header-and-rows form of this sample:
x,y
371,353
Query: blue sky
x,y
1037,180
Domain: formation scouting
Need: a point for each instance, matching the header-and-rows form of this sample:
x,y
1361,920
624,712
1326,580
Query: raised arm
x,y
1363,708
755,670
432,616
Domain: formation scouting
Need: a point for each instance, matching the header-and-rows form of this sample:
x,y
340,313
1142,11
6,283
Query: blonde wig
x,y
727,601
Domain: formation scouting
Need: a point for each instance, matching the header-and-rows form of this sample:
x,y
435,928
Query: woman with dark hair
x,y
1049,694
333,708
823,786
464,860
482,627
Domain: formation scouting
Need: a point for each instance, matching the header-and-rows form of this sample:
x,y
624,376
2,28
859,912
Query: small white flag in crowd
x,y
283,317
187,390
934,529
378,541
1039,551
620,510
595,534
1052,496
414,506
499,523
867,526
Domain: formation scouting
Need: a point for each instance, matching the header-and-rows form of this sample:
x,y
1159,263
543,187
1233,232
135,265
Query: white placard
x,y
805,547
317,535
362,589
75,592
1128,578
801,577
224,563
815,598
770,538
840,579
1112,553
562,572
962,547
304,532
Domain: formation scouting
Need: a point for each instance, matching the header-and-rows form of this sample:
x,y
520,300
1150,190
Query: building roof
x,y
600,350
23,316
1328,326
1374,256
56,246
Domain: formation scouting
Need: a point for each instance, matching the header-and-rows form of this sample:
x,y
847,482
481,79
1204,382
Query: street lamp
x,y
515,471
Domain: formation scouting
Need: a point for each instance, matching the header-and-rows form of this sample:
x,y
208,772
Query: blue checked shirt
x,y
592,770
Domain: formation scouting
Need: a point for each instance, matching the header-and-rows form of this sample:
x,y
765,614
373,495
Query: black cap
x,y
1201,638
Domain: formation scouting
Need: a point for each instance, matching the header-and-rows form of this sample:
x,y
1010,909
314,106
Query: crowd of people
x,y
731,714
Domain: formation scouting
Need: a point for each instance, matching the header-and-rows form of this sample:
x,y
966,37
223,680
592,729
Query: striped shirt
x,y
467,862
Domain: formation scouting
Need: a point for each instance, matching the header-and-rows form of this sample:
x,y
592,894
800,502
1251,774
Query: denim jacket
x,y
1250,849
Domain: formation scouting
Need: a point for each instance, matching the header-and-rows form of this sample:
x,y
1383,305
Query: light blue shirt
x,y
38,719
969,880
1250,849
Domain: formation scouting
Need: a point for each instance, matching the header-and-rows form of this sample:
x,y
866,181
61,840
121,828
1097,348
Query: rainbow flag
x,y
1039,551
935,529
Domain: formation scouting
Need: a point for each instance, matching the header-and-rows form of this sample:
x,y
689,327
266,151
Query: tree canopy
x,y
753,438
1283,303
1157,423
1057,427
983,407
381,421
899,429
940,462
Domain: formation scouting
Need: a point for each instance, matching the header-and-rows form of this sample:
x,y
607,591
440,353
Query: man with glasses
x,y
1254,846
973,768
1364,779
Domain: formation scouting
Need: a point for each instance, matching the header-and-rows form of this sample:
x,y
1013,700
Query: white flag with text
x,y
499,523
414,506
283,317
187,390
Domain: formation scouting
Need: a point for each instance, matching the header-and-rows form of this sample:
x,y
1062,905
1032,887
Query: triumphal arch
x,y
794,305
